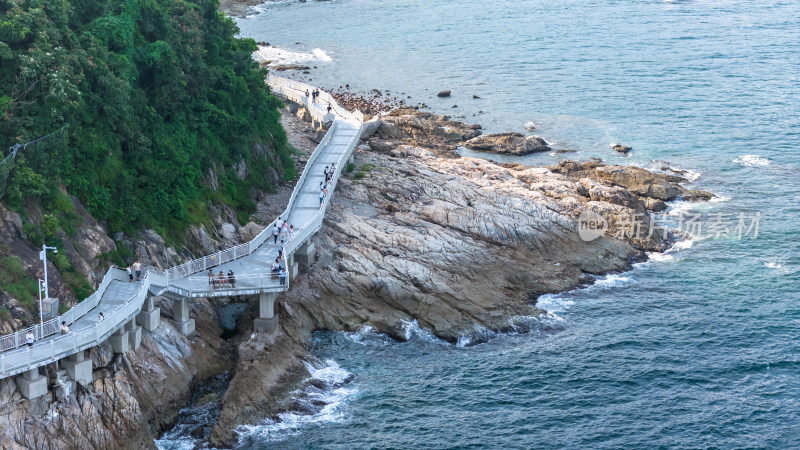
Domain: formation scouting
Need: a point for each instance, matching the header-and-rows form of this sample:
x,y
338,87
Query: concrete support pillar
x,y
78,368
267,321
134,334
304,256
180,311
292,270
150,317
120,341
31,384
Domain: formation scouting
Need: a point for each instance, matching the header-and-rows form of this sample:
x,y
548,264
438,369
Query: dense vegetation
x,y
156,94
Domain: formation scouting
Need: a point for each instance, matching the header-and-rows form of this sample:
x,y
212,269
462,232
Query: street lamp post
x,y
43,257
41,316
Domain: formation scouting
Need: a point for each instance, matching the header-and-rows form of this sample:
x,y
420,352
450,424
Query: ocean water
x,y
696,348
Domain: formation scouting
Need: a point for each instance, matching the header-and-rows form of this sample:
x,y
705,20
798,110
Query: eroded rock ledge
x,y
457,244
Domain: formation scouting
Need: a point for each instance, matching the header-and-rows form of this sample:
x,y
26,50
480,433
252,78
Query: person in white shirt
x,y
29,340
275,232
137,266
64,328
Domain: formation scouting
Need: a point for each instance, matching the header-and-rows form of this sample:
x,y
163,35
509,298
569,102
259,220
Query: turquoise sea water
x,y
697,348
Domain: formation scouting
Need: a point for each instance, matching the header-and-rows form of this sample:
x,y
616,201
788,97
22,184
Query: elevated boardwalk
x,y
128,306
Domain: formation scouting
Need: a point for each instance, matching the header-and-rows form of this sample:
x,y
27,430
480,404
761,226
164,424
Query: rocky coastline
x,y
416,234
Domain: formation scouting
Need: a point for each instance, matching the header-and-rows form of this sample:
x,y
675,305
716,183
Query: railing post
x,y
16,340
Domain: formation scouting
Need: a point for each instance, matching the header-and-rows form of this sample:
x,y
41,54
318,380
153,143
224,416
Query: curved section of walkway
x,y
120,300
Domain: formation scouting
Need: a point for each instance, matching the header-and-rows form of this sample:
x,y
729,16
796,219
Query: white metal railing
x,y
82,337
295,91
50,327
15,357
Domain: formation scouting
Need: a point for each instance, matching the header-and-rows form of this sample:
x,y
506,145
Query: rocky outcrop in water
x,y
508,144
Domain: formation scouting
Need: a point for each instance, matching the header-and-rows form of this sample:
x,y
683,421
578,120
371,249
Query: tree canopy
x,y
157,94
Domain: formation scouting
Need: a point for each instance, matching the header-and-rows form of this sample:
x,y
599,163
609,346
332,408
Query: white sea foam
x,y
611,281
334,396
692,175
412,328
282,56
537,325
752,161
682,245
720,199
678,208
553,303
777,265
480,334
358,336
257,10
659,257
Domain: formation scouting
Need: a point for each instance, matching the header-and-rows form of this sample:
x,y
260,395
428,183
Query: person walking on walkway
x,y
211,279
279,222
291,232
285,230
275,232
29,338
282,276
280,249
137,266
101,317
130,274
231,279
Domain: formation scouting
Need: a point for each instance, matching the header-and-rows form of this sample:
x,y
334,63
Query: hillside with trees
x,y
167,113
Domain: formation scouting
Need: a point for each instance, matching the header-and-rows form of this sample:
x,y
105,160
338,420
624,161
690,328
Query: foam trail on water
x,y
323,400
282,56
752,161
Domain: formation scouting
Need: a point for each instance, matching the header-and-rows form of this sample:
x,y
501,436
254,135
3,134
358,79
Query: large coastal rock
x,y
459,245
641,182
423,129
508,144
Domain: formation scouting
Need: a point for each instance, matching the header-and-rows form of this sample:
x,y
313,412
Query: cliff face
x,y
132,398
